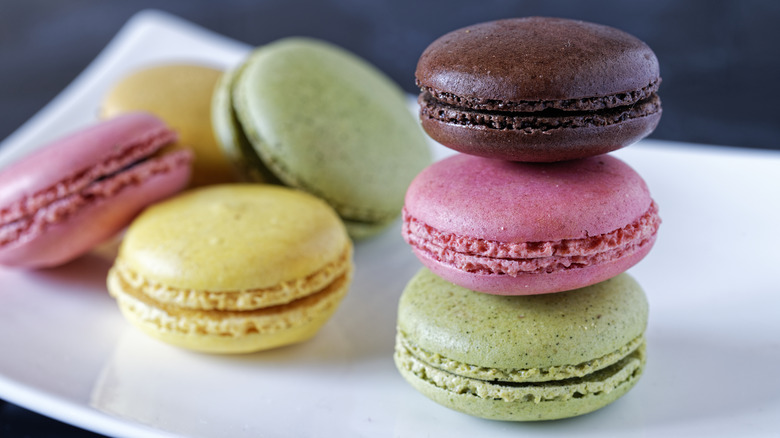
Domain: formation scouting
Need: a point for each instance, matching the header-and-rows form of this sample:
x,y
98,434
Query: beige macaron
x,y
180,94
233,268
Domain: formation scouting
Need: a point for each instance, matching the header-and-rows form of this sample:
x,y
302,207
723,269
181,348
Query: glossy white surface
x,y
713,336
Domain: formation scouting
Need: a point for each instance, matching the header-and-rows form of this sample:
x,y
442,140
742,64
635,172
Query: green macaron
x,y
521,358
324,121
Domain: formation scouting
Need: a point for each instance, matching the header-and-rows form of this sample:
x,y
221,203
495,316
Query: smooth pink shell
x,y
527,202
55,173
510,202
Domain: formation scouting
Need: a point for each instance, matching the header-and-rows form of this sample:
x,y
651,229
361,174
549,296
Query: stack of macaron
x,y
523,311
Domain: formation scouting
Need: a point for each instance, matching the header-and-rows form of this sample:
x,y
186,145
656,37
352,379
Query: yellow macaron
x,y
181,95
233,268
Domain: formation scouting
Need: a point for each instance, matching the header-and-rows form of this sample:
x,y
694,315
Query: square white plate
x,y
714,332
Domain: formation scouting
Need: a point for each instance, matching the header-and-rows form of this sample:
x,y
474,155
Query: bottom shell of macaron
x,y
513,401
215,331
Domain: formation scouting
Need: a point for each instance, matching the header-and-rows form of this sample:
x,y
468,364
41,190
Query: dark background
x,y
720,61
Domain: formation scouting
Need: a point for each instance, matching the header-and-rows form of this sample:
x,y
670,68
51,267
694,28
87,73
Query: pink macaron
x,y
60,201
514,228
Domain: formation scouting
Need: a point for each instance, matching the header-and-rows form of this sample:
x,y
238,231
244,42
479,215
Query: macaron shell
x,y
180,94
231,332
527,202
328,123
240,236
538,54
522,410
93,223
521,332
230,136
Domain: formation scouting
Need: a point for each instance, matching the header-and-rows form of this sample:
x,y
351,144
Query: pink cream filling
x,y
78,191
492,257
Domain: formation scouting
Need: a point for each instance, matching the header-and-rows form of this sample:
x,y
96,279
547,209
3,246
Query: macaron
x,y
233,268
521,358
326,122
65,198
513,228
180,94
538,89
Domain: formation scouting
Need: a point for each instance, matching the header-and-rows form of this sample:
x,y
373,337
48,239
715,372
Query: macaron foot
x,y
230,332
509,401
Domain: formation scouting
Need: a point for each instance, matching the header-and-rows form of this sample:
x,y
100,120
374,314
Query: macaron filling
x,y
489,257
625,370
130,165
229,323
627,98
542,115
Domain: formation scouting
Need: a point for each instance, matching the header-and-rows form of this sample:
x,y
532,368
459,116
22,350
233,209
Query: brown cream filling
x,y
524,106
530,122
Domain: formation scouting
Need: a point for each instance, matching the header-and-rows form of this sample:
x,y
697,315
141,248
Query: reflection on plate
x,y
67,352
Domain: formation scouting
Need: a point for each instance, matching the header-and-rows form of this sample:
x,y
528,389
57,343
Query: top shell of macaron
x,y
233,237
521,332
509,201
538,58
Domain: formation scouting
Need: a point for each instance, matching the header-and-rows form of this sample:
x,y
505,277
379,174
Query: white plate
x,y
66,352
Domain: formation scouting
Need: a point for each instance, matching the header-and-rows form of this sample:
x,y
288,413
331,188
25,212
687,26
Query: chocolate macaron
x,y
538,89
